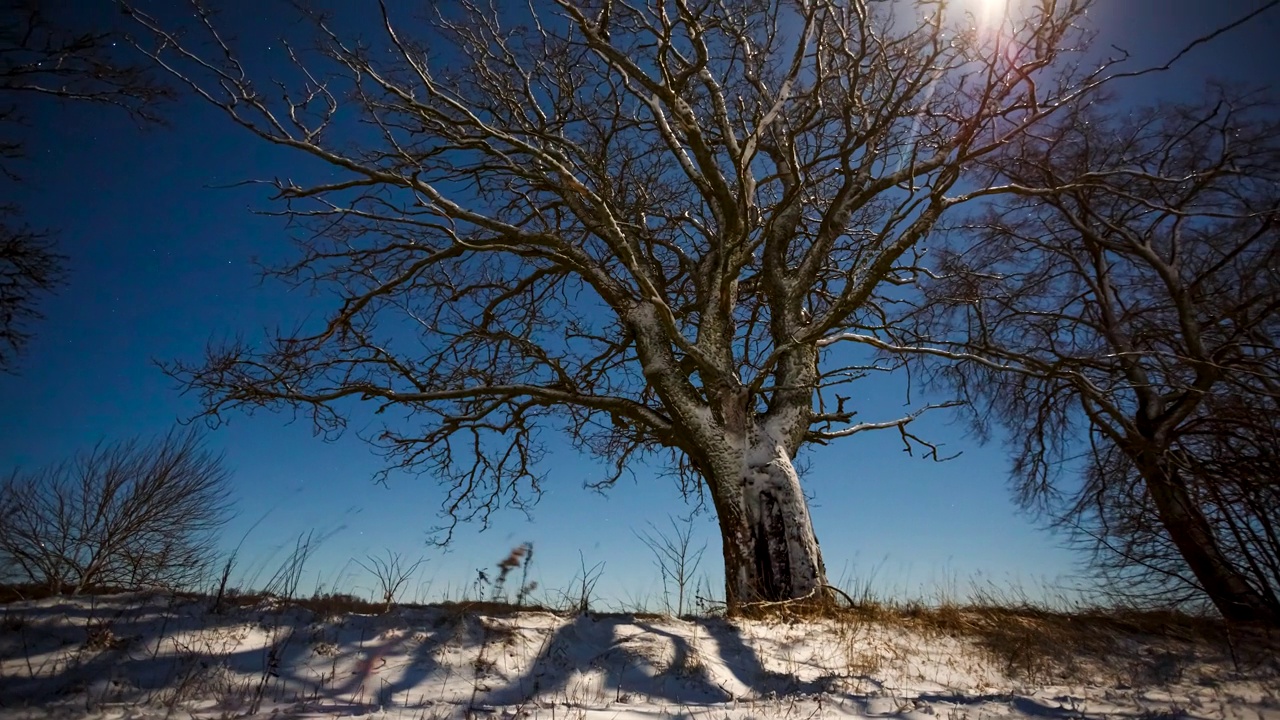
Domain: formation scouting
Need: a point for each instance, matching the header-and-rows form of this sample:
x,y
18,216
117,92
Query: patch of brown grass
x,y
495,608
100,635
1037,643
18,592
334,604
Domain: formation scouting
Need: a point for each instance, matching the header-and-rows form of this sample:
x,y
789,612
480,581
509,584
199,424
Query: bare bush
x,y
676,560
391,573
128,514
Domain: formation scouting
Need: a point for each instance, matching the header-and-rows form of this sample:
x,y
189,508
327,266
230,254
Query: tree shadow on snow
x,y
635,657
159,649
745,665
153,649
630,658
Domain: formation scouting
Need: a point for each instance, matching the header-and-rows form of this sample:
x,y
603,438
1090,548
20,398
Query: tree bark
x,y
1228,590
770,550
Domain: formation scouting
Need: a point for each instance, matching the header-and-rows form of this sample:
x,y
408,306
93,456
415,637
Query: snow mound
x,y
144,656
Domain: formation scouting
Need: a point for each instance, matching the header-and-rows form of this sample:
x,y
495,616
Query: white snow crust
x,y
153,656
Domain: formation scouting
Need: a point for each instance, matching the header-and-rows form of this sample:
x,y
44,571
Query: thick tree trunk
x,y
770,550
1189,530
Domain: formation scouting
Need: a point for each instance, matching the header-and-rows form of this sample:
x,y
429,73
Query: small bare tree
x,y
391,573
129,514
677,563
41,60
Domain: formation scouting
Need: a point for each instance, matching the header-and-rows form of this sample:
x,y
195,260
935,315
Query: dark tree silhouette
x,y
39,59
30,266
1117,314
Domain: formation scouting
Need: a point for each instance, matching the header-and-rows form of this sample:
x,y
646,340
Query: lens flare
x,y
989,13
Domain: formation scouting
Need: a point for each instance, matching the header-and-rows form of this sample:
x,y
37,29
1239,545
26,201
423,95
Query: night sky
x,y
162,259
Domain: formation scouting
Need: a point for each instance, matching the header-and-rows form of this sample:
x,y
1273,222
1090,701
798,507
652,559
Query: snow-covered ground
x,y
140,656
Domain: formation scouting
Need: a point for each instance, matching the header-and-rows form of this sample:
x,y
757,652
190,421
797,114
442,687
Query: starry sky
x,y
162,254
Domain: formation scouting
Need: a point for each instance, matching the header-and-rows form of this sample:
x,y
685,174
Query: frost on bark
x,y
782,559
645,225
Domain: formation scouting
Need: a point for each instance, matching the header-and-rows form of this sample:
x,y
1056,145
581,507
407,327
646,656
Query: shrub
x,y
128,514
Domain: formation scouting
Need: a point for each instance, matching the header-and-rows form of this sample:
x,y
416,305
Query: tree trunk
x,y
1228,589
770,550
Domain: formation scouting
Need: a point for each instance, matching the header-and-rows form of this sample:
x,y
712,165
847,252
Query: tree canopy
x,y
654,227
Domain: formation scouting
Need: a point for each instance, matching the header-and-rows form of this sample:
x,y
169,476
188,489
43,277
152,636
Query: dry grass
x,y
12,622
100,635
1035,643
323,605
19,592
486,607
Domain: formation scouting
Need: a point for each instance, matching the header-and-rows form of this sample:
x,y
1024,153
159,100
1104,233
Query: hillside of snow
x,y
145,656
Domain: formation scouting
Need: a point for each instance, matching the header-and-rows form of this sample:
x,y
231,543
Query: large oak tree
x,y
648,225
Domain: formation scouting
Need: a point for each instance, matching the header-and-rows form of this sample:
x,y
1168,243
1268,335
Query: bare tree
x,y
1227,456
391,574
30,266
39,59
127,514
646,225
677,561
1233,452
1118,316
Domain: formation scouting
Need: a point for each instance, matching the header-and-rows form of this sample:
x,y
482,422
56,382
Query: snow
x,y
144,656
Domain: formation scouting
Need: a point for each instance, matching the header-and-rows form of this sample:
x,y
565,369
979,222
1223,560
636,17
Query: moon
x,y
988,13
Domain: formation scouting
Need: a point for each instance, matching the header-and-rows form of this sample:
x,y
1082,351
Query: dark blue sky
x,y
161,261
